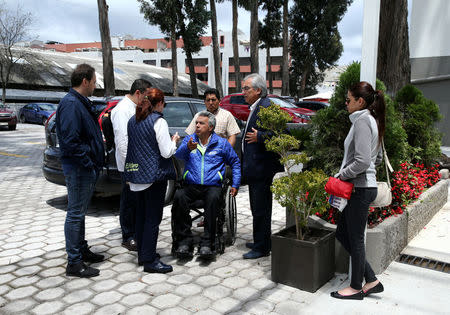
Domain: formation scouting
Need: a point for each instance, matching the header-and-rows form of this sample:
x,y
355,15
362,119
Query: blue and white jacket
x,y
207,167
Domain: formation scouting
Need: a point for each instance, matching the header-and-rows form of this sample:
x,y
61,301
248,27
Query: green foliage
x,y
270,31
315,40
303,193
418,116
331,125
301,134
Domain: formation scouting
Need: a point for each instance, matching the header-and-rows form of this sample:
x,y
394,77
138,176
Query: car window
x,y
282,103
48,107
177,114
238,99
29,106
199,107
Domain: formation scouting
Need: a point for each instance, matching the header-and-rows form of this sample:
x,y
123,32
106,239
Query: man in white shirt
x,y
120,115
226,125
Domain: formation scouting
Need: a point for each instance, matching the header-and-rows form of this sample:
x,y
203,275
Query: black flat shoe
x,y
376,289
81,270
184,252
88,256
131,245
157,267
206,253
357,296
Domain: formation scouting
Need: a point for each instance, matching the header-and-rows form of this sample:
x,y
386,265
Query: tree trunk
x,y
285,63
216,52
393,64
173,39
254,37
237,70
269,73
3,93
305,74
108,67
192,74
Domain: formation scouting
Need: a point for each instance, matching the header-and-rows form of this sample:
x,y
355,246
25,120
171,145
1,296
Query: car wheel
x,y
22,118
12,127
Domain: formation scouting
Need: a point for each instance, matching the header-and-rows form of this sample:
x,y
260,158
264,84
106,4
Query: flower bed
x,y
408,183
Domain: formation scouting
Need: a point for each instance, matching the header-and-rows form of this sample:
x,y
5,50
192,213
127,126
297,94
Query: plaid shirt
x,y
226,125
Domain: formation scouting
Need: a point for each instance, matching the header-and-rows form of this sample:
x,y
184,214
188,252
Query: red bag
x,y
339,188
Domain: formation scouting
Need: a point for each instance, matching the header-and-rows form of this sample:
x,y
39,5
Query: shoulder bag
x,y
384,193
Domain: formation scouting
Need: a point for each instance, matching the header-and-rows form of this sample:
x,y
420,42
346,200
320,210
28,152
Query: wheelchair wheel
x,y
230,218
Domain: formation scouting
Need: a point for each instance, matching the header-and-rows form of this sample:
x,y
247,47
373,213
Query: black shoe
x,y
130,245
357,296
205,252
184,251
253,254
88,256
81,270
158,256
376,289
249,245
157,267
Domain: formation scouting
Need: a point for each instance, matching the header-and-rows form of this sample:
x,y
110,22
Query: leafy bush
x,y
418,116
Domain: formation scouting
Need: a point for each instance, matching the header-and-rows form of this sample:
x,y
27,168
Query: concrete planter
x,y
385,241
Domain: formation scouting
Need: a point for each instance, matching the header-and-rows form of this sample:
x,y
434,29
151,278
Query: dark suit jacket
x,y
257,162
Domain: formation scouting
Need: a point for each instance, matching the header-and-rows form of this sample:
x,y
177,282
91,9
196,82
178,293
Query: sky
x,y
76,21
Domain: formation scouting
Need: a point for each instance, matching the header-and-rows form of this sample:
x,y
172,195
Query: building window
x,y
150,62
166,63
222,40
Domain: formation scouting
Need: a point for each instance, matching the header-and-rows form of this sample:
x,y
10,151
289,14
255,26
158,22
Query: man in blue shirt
x,y
82,157
205,155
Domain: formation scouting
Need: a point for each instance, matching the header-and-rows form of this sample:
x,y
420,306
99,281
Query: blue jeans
x,y
127,216
80,183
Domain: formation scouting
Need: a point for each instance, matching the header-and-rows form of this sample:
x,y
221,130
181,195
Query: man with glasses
x,y
258,167
120,115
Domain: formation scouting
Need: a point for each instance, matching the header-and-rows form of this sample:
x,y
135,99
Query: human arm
x,y
183,151
362,155
119,119
166,145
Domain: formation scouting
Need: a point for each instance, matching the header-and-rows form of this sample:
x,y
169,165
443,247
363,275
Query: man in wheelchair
x,y
205,155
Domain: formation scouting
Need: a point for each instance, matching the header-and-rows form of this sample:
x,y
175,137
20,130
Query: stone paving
x,y
33,259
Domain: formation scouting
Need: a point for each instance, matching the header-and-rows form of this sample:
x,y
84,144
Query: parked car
x,y
178,113
36,112
236,104
7,117
312,105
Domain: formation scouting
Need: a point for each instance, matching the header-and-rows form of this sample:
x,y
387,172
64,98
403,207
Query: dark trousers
x,y
350,233
80,183
127,211
261,207
149,212
182,222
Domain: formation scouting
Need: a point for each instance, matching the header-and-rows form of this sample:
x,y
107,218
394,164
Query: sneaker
x,y
81,270
184,251
88,256
205,252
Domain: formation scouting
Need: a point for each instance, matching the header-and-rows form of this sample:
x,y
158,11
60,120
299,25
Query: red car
x,y
236,104
7,117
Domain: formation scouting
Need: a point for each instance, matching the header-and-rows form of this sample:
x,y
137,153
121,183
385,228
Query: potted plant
x,y
302,257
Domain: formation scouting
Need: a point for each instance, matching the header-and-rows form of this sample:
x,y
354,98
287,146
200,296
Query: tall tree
x,y
14,28
316,39
163,13
237,70
108,67
285,63
254,36
216,52
193,18
270,33
393,64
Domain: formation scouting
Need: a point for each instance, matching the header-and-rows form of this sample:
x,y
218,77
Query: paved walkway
x,y
33,259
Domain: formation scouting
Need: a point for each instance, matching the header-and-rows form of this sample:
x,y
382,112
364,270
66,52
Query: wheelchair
x,y
226,223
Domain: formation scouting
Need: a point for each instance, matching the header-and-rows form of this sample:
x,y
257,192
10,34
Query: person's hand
x,y
175,137
233,192
252,137
191,144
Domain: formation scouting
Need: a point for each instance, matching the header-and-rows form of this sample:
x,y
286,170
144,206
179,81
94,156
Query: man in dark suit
x,y
258,167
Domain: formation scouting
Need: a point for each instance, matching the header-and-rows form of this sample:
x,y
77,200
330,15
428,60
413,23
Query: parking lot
x,y
33,259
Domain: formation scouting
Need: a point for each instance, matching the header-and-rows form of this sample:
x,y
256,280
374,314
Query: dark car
x,y
36,112
7,117
236,104
312,105
178,113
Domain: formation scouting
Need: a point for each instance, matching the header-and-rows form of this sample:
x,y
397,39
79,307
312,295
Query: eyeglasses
x,y
246,88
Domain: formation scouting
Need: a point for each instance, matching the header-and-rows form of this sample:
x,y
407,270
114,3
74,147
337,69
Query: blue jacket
x,y
208,168
144,163
257,162
79,136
